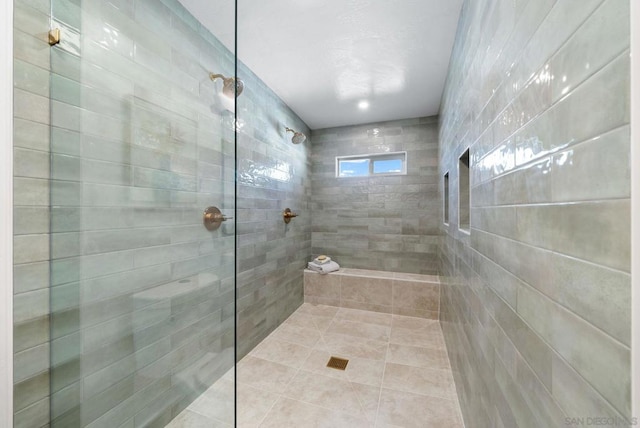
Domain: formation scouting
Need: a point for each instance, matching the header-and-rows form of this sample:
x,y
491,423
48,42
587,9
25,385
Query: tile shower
x,y
130,175
537,92
380,223
536,301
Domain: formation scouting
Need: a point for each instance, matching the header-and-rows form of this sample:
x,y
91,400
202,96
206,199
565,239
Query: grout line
x,y
384,370
280,397
526,82
362,407
322,335
322,346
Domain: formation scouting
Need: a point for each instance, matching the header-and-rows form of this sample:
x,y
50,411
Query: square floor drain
x,y
337,363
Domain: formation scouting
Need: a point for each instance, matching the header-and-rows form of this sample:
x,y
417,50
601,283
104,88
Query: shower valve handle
x,y
288,215
213,218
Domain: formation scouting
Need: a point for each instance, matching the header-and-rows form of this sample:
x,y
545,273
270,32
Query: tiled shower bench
x,y
388,292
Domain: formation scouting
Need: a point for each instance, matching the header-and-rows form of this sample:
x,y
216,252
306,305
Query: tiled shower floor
x,y
398,376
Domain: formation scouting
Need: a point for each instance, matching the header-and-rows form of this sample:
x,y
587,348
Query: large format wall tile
x,y
121,142
381,223
31,209
535,301
273,174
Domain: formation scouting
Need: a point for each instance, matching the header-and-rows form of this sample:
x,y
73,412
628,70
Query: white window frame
x,y
372,157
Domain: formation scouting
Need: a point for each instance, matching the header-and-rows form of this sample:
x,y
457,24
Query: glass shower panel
x,y
142,143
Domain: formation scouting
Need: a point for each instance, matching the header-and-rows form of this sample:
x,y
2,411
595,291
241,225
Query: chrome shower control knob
x,y
213,218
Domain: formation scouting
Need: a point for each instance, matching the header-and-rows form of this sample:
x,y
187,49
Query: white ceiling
x,y
323,57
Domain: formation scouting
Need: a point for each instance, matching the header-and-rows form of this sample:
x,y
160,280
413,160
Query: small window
x,y
446,198
464,193
354,168
369,165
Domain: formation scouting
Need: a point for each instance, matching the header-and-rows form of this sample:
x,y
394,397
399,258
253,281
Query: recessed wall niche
x,y
445,199
464,194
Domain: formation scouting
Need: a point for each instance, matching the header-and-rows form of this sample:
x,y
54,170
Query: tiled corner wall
x,y
139,150
273,174
380,223
536,300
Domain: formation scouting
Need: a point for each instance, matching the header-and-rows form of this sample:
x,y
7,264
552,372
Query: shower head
x,y
230,85
298,137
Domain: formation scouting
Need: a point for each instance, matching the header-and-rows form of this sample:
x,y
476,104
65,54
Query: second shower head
x,y
231,86
298,137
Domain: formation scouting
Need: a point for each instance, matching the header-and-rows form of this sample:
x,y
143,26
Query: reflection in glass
x,y
142,294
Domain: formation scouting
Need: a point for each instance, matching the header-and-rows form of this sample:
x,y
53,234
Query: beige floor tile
x,y
190,419
353,347
369,398
230,374
217,402
417,313
364,316
404,355
310,321
277,351
291,413
368,372
416,411
263,374
299,319
425,338
313,319
294,334
253,405
322,323
367,307
419,380
418,357
324,391
316,300
360,329
318,310
414,323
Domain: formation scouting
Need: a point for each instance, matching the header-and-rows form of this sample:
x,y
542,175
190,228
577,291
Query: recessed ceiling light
x,y
363,105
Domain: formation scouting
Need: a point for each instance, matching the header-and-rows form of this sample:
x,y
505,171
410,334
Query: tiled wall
x,y
380,223
536,301
31,211
273,174
139,149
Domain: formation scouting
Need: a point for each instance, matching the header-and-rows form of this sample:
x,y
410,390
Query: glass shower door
x,y
142,277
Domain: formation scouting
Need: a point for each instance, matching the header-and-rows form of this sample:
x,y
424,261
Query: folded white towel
x,y
324,268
